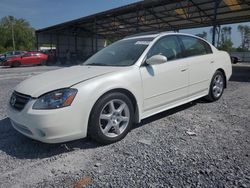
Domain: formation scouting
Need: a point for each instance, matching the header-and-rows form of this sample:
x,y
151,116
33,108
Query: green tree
x,y
245,37
225,42
112,40
227,45
202,35
16,34
226,34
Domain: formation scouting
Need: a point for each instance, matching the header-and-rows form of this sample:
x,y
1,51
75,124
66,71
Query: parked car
x,y
235,59
2,57
124,83
10,54
29,58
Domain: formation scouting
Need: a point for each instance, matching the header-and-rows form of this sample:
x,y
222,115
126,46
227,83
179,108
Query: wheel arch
x,y
129,94
224,75
18,63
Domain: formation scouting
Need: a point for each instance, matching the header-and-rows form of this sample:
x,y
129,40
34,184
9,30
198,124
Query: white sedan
x,y
120,85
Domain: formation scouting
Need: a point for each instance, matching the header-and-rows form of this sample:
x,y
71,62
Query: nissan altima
x,y
130,80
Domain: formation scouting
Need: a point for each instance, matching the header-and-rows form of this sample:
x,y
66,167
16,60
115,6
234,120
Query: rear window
x,y
194,46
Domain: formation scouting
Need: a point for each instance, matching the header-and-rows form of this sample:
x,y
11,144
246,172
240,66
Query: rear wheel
x,y
15,64
43,63
111,118
216,87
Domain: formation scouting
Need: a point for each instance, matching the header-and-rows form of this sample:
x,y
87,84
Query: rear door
x,y
37,58
200,58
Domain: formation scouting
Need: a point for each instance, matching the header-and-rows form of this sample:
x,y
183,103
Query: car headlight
x,y
55,99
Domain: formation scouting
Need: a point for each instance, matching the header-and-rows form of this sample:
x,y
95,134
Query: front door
x,y
27,59
165,84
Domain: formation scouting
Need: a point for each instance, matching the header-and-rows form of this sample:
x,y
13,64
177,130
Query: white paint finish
x,y
155,87
61,78
164,83
200,73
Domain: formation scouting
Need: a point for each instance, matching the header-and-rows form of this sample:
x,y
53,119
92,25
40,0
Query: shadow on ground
x,y
241,74
168,113
16,145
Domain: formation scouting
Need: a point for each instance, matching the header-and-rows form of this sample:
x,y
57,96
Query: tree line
x,y
224,38
16,34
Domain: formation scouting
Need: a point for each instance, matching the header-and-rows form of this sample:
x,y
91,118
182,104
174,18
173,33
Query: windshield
x,y
121,53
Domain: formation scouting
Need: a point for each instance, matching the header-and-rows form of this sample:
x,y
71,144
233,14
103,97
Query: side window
x,y
17,53
8,54
27,55
194,46
167,46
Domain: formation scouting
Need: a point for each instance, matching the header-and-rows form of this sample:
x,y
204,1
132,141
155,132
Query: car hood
x,y
61,78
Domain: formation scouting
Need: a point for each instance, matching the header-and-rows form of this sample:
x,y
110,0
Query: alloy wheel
x,y
114,118
218,85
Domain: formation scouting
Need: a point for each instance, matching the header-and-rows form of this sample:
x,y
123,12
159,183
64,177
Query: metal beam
x,y
216,5
201,10
162,20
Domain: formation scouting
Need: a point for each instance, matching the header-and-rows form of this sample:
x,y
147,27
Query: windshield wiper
x,y
96,64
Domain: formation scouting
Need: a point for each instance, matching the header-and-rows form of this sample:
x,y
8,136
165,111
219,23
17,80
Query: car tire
x,y
217,86
15,64
43,63
111,118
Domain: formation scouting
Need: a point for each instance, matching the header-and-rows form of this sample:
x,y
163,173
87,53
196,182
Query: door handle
x,y
183,70
212,62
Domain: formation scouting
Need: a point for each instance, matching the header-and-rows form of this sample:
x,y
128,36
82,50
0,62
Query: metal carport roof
x,y
157,15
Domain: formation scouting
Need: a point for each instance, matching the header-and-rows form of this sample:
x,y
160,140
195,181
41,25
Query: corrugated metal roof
x,y
157,15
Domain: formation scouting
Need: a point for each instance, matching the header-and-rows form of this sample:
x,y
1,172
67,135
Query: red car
x,y
29,58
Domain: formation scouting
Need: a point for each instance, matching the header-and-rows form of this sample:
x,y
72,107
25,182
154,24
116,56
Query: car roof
x,y
153,34
160,34
157,34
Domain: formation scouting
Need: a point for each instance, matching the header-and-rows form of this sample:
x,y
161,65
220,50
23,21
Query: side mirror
x,y
156,59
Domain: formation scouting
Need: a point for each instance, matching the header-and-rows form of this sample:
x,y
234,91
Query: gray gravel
x,y
196,145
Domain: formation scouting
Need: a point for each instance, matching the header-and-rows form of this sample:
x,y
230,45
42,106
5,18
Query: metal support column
x,y
218,32
68,42
50,41
96,43
137,20
216,4
37,42
92,43
57,45
75,42
96,37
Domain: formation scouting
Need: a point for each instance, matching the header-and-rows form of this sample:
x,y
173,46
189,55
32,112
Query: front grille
x,y
18,100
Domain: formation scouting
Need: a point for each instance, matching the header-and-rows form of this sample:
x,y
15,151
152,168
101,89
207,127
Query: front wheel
x,y
216,87
15,64
111,118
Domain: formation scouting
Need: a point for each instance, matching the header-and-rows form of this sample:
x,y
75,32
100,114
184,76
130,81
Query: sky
x,y
44,13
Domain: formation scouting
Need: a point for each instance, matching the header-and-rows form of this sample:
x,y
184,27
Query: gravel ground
x,y
196,145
